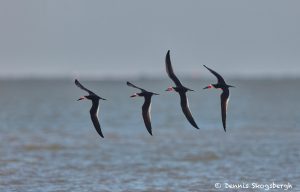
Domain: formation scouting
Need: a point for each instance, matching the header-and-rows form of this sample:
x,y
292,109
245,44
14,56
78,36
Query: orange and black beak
x,y
170,89
208,87
81,98
134,95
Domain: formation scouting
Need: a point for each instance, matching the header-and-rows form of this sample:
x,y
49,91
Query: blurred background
x,y
103,39
48,143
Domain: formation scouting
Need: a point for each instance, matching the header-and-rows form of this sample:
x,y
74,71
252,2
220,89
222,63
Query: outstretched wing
x,y
83,88
146,110
186,110
132,85
219,77
224,105
170,71
94,116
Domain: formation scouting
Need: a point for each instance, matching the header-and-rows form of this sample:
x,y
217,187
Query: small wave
x,y
206,157
7,172
35,147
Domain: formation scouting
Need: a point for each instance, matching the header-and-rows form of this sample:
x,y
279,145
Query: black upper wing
x,y
170,71
185,108
94,116
82,87
224,105
132,85
146,110
219,77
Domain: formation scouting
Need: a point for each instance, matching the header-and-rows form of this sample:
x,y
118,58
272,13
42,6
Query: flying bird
x,y
181,90
95,106
224,96
146,109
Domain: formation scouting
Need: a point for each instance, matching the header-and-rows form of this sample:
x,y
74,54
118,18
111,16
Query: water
x,y
48,143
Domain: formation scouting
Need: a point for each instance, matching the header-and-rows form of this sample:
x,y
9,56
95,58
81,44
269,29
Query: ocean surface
x,y
48,143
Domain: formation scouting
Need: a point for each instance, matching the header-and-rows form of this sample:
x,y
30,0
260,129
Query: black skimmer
x,y
146,109
224,96
95,106
181,90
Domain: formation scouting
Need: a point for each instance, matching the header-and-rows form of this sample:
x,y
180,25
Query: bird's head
x,y
90,97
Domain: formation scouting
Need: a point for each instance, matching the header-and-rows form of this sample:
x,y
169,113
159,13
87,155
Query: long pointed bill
x,y
208,87
81,98
155,94
103,99
134,95
231,86
170,89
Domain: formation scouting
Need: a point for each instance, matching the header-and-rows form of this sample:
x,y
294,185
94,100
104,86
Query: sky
x,y
117,38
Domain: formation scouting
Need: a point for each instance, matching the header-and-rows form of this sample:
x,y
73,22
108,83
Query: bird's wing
x,y
219,77
94,116
146,110
224,105
185,108
83,88
170,71
132,85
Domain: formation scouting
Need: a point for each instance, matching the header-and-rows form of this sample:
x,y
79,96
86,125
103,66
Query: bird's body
x,y
146,108
181,90
224,96
95,106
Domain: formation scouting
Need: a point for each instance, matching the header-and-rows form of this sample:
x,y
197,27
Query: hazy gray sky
x,y
118,37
